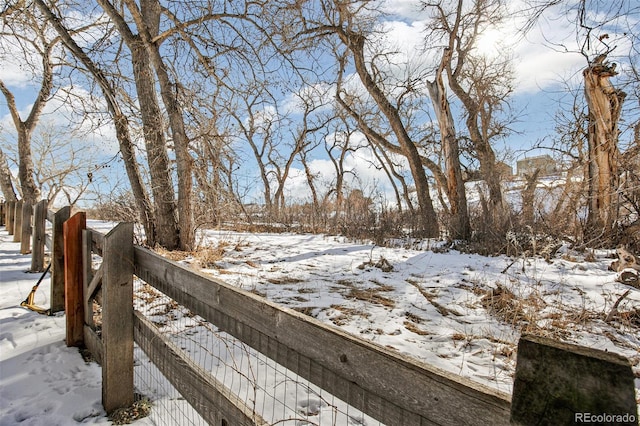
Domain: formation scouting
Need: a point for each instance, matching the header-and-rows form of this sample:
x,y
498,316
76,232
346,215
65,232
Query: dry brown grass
x,y
346,314
284,280
413,327
370,296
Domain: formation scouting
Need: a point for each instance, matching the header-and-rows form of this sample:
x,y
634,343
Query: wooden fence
x,y
339,363
28,225
381,383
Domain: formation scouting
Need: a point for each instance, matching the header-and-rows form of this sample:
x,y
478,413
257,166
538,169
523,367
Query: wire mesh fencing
x,y
274,394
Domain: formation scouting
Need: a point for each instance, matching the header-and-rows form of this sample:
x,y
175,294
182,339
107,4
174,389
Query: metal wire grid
x,y
274,393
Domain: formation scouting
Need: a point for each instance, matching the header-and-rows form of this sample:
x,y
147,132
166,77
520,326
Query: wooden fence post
x,y
73,301
39,231
3,209
11,212
57,259
117,318
25,240
559,383
17,222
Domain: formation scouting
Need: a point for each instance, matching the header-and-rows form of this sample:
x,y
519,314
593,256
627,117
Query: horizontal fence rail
x,y
345,366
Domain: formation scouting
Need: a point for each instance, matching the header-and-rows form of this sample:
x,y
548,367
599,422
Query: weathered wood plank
x,y
93,342
87,277
117,318
97,242
10,217
48,241
57,259
38,237
17,222
74,306
25,239
210,398
561,383
350,366
94,284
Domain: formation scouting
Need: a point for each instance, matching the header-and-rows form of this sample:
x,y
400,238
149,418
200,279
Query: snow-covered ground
x,y
460,312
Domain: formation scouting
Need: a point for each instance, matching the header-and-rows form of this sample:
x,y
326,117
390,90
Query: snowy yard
x,y
462,313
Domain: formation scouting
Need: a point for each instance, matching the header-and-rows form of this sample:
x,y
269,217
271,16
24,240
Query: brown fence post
x,y
560,383
37,242
57,259
17,222
25,240
73,301
3,209
11,214
117,318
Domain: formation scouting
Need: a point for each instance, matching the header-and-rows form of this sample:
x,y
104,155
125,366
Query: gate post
x,y
17,222
57,259
10,219
37,242
117,318
73,301
560,383
25,240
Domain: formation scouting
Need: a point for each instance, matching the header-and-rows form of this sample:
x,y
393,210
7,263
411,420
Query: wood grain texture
x,y
117,318
10,216
73,284
17,222
57,220
38,238
25,239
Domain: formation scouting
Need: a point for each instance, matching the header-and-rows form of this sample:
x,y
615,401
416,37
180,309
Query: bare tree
x,y
22,28
6,182
481,84
460,227
351,30
605,105
120,120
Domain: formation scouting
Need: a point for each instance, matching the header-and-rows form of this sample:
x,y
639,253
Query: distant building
x,y
545,163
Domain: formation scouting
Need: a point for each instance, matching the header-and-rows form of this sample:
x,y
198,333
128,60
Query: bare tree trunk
x,y
478,105
24,129
155,143
6,184
605,104
121,124
528,198
428,219
147,20
460,227
153,128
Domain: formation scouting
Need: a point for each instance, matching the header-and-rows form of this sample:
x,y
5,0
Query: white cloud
x,y
547,56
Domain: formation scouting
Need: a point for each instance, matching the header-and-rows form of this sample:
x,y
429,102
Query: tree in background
x,y
605,105
350,25
6,182
481,83
27,34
